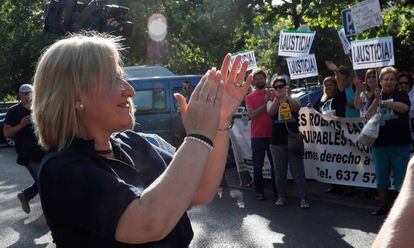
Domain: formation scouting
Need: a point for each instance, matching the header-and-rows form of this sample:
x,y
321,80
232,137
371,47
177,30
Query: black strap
x,y
202,137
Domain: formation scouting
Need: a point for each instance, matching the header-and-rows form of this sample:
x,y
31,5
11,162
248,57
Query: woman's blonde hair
x,y
325,96
386,70
78,63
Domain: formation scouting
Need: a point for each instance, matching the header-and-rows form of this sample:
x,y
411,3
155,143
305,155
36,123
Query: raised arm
x,y
233,93
163,203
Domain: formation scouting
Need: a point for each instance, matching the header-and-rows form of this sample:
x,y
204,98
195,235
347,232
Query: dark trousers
x,y
30,192
260,146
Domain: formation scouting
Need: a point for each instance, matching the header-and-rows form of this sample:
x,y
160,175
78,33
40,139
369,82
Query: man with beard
x,y
261,128
29,154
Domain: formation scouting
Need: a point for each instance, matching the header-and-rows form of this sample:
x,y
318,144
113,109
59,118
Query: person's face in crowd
x,y
340,77
280,87
187,89
371,81
388,82
330,88
25,98
109,110
259,81
404,83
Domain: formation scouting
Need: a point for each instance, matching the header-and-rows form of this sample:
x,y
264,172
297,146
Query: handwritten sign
x,y
372,53
245,55
302,67
293,43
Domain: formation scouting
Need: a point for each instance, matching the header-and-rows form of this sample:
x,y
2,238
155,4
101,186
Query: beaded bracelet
x,y
210,147
202,137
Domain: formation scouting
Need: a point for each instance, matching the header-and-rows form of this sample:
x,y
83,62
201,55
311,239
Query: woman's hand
x,y
233,88
202,114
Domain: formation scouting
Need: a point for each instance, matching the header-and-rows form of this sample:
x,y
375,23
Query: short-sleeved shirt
x,y
261,126
83,195
394,129
25,139
350,97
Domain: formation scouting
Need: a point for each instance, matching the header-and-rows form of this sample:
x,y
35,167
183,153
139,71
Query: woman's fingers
x,y
215,85
233,71
225,67
205,89
247,84
181,101
196,93
242,73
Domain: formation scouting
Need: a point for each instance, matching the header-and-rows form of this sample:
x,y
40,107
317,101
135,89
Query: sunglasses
x,y
403,82
279,86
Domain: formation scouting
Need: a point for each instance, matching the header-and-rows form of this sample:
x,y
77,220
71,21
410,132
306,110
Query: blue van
x,y
156,110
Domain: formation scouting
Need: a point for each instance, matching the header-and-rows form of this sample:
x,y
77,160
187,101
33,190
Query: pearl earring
x,y
81,106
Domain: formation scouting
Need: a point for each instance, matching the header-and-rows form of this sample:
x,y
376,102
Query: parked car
x,y
4,140
311,94
156,108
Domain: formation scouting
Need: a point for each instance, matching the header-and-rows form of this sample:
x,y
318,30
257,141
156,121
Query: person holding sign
x,y
331,101
345,87
391,150
261,128
284,112
365,97
104,185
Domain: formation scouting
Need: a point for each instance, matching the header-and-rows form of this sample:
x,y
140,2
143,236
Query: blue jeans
x,y
260,146
30,192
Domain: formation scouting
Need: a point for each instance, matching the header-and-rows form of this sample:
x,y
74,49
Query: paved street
x,y
233,219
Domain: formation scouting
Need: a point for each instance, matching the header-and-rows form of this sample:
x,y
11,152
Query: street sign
x,y
347,22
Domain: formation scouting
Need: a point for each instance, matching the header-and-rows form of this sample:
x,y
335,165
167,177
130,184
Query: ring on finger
x,y
211,99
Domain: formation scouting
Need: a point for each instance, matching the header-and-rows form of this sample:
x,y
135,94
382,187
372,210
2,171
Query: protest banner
x,y
293,43
302,67
245,55
344,41
347,22
331,153
366,15
372,53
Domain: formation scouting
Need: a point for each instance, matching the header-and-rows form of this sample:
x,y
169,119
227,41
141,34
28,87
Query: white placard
x,y
245,55
366,15
372,53
293,43
344,41
302,67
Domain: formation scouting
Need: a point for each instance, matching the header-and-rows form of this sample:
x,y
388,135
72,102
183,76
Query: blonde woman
x,y
102,185
391,150
365,97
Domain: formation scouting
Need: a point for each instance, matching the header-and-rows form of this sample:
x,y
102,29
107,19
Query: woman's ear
x,y
79,104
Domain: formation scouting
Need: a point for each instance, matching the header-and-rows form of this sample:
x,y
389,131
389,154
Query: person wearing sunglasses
x,y
284,112
364,93
405,83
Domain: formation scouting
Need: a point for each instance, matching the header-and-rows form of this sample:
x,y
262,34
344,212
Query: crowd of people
x,y
116,188
274,113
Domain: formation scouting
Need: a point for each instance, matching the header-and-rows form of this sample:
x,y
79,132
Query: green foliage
x,y
200,33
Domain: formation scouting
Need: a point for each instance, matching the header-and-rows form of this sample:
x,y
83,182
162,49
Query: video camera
x,y
63,16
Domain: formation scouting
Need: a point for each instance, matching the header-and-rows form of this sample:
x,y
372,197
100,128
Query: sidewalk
x,y
362,198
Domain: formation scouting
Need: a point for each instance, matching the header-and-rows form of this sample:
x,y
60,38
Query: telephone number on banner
x,y
346,175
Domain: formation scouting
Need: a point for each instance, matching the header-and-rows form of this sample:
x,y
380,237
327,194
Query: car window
x,y
150,101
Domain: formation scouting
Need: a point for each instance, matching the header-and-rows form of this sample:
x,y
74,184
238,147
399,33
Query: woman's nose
x,y
127,89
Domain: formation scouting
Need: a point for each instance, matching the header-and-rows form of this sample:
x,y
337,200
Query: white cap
x,y
26,88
